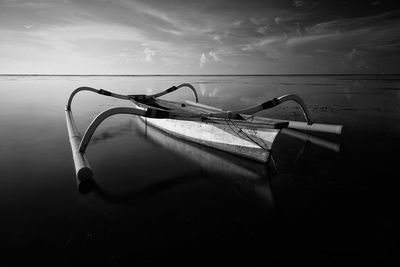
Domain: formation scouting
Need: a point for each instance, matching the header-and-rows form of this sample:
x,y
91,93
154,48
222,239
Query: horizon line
x,y
138,75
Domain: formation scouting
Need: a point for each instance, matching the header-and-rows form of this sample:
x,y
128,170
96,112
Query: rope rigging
x,y
240,130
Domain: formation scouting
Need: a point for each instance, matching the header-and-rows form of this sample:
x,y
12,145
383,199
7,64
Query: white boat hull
x,y
253,143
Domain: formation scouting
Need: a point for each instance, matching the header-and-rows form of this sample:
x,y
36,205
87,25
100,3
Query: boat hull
x,y
254,144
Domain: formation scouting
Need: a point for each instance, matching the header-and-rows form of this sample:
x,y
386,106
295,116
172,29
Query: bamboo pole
x,y
313,139
316,127
82,167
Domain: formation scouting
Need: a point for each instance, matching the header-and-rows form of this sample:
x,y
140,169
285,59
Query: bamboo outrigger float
x,y
237,132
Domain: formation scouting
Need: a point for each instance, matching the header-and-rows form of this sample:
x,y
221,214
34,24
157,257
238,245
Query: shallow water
x,y
158,199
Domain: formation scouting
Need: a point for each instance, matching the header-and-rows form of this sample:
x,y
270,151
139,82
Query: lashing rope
x,y
240,130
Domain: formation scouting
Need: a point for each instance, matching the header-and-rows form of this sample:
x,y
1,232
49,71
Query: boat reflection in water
x,y
248,177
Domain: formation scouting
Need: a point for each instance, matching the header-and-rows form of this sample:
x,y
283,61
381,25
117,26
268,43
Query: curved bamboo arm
x,y
99,91
299,101
79,144
101,117
276,101
266,105
174,88
148,113
128,97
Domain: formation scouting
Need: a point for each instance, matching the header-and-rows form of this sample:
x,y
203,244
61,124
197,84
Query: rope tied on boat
x,y
173,88
240,130
271,103
104,92
157,113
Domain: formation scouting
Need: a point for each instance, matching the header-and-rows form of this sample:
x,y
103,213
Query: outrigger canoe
x,y
237,132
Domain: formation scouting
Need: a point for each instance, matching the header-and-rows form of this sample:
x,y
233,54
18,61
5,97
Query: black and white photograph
x,y
199,133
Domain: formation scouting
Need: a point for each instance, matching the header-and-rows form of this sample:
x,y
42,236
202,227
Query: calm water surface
x,y
158,199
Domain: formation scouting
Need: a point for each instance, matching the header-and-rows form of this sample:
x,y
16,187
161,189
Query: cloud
x,y
298,3
208,57
382,20
278,20
170,31
214,56
375,36
171,22
148,54
29,26
217,38
351,54
262,29
269,46
302,40
237,23
203,60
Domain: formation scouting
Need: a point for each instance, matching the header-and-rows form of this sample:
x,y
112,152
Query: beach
x,y
156,198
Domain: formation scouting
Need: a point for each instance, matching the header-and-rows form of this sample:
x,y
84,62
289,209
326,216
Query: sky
x,y
138,37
